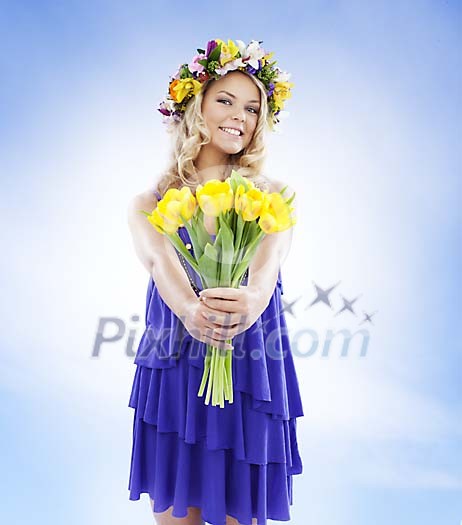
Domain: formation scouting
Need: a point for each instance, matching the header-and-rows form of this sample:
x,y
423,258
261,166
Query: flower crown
x,y
215,62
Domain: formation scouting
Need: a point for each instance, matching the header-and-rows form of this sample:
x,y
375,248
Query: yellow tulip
x,y
188,203
162,224
276,214
215,197
248,203
177,203
167,216
184,87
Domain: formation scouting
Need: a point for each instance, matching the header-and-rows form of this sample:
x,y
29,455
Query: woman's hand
x,y
201,329
230,311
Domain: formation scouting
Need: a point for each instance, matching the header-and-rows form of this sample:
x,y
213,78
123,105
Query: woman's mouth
x,y
231,132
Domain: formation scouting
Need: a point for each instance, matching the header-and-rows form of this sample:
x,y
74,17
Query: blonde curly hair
x,y
191,133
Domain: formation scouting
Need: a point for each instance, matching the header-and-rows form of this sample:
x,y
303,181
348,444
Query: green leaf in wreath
x,y
215,54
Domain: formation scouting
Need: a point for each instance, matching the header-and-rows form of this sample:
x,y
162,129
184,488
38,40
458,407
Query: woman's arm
x,y
159,257
271,252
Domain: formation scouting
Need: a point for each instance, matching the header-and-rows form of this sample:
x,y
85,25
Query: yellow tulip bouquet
x,y
244,215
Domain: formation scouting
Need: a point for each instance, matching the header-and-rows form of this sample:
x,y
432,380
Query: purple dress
x,y
237,460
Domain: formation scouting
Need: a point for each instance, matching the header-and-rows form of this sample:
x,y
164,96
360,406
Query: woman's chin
x,y
227,147
231,148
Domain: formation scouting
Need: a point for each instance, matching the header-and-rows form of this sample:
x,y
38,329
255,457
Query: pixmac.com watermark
x,y
302,343
267,335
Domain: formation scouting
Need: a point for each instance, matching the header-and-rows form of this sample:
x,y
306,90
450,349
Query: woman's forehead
x,y
239,85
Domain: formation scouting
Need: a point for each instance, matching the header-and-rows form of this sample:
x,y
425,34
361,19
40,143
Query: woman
x,y
200,462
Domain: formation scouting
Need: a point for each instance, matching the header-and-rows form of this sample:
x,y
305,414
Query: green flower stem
x,y
214,378
218,372
175,239
212,375
241,267
208,358
229,382
225,377
219,377
209,386
218,386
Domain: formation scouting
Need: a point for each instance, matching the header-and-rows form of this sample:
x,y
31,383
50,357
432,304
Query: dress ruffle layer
x,y
233,461
238,460
167,398
184,475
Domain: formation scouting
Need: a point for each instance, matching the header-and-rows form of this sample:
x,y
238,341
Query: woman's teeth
x,y
231,131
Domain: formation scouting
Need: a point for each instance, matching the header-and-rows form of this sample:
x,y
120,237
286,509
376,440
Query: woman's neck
x,y
219,172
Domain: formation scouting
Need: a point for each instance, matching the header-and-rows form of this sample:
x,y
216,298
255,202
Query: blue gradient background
x,y
372,147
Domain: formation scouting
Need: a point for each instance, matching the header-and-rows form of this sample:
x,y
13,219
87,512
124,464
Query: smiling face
x,y
232,101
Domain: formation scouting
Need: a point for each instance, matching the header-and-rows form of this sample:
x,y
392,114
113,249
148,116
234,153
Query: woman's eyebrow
x,y
233,96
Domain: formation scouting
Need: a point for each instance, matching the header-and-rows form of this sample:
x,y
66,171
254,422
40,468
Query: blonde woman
x,y
201,463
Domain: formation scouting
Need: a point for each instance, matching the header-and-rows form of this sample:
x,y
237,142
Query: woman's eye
x,y
254,110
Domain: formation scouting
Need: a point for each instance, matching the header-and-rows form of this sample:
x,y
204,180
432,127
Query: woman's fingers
x,y
225,319
232,294
225,333
222,305
216,342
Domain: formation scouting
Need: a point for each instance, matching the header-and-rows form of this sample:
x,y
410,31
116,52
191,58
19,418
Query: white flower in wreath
x,y
230,66
282,76
253,52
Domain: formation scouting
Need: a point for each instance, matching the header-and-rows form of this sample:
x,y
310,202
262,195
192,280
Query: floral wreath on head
x,y
216,61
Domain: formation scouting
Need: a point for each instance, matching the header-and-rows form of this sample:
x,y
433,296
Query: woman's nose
x,y
240,114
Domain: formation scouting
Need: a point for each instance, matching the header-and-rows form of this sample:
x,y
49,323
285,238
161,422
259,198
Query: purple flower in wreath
x,y
165,108
211,45
253,70
271,89
165,112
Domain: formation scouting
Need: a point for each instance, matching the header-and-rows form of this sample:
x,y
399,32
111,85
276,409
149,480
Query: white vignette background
x,y
372,147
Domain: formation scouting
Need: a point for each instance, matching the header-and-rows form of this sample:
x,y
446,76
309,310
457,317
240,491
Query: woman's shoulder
x,y
145,200
276,185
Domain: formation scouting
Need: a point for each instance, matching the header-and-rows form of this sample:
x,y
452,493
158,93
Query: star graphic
x,y
322,295
348,305
368,317
287,307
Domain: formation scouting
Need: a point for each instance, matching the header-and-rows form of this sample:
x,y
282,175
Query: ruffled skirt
x,y
238,460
